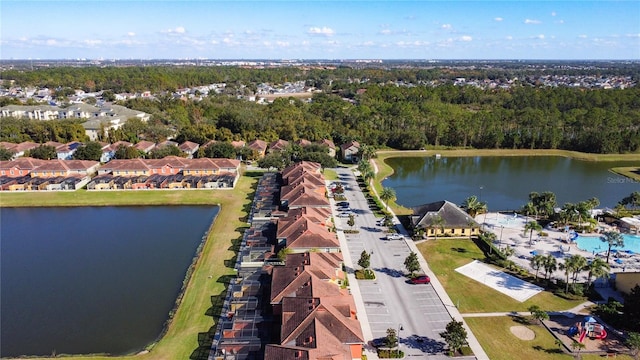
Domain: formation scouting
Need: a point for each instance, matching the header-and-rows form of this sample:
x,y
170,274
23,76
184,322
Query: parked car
x,y
344,215
343,203
379,342
395,236
420,279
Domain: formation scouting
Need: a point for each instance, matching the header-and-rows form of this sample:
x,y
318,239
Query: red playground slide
x,y
582,335
602,335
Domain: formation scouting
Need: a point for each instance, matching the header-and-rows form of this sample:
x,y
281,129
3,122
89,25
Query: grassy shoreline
x,y
187,336
384,170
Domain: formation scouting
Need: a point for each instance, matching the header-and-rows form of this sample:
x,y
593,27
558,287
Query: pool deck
x,y
509,230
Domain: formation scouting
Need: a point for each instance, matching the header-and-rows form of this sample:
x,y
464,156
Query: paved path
x,y
570,312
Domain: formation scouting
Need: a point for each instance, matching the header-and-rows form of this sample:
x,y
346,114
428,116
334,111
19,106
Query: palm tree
x,y
367,175
363,166
537,262
531,226
474,207
367,151
612,238
571,266
550,265
598,269
387,195
580,263
529,209
437,223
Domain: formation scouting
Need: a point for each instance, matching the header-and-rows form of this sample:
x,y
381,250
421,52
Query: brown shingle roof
x,y
308,166
328,143
25,163
297,282
189,146
257,145
278,145
145,146
312,322
306,197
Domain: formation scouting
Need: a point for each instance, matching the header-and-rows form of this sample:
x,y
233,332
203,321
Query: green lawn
x,y
188,335
494,334
445,255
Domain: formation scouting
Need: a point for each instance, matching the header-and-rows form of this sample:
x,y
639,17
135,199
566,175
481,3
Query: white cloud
x,y
92,42
368,43
498,19
282,43
541,36
176,30
633,35
322,31
559,22
385,31
509,37
532,21
131,34
582,36
446,26
51,42
553,13
466,38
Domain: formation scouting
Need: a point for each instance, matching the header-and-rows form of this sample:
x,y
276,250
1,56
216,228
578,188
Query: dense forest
x,y
379,113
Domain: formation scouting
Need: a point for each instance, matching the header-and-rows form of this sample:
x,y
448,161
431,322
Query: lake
x,y
93,279
505,182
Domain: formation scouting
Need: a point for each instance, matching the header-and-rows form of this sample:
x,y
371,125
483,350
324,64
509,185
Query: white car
x,y
395,236
343,215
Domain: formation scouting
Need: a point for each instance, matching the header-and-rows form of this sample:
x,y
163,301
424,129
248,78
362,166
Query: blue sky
x,y
213,29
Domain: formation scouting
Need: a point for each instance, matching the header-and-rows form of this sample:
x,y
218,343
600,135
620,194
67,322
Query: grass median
x,y
189,333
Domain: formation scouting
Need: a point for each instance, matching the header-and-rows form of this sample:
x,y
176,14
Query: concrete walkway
x,y
572,311
478,351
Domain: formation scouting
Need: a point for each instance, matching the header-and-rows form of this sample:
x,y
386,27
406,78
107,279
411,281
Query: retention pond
x,y
93,279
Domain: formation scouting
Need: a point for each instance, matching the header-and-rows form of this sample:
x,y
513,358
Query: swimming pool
x,y
593,243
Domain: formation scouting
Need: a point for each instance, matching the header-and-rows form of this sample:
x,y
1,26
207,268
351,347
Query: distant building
x,y
350,151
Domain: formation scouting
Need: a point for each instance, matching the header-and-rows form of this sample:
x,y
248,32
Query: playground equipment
x,y
573,236
588,327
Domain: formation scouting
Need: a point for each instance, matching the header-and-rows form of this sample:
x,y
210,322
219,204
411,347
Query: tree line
x,y
401,117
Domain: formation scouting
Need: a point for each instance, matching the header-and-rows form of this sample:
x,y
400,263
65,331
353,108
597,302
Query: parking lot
x,y
390,301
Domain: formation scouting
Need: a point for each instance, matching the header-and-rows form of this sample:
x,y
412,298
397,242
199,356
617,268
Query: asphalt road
x,y
390,301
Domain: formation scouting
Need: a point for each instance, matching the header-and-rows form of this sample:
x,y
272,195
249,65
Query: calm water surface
x,y
92,279
505,182
594,244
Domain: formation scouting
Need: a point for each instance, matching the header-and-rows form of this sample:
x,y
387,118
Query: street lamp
x,y
398,339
